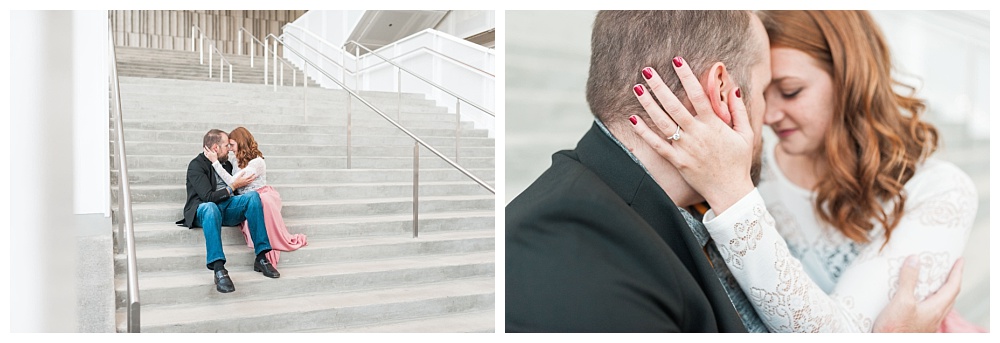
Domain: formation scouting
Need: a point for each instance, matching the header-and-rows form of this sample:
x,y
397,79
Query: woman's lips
x,y
784,133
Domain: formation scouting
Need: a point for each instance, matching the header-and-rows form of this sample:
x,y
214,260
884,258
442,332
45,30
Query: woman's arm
x,y
935,228
714,160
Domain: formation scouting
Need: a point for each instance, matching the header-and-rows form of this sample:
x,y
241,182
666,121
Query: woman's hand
x,y
712,157
211,155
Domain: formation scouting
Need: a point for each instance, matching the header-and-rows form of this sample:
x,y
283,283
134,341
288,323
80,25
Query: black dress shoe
x,y
264,266
222,282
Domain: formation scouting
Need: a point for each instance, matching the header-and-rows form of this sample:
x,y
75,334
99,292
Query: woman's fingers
x,y
661,119
674,108
662,147
693,88
741,120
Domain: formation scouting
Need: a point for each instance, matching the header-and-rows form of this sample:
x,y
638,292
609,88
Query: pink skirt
x,y
955,323
277,233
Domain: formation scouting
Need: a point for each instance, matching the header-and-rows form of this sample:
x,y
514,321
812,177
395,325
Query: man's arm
x,y
905,313
199,179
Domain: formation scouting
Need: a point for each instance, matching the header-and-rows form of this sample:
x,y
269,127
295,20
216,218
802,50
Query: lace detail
x,y
838,252
788,228
934,268
950,209
866,323
748,233
786,307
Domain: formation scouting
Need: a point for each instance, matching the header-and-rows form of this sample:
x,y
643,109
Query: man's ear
x,y
717,85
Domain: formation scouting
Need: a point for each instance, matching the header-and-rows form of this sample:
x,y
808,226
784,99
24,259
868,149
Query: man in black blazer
x,y
599,242
211,203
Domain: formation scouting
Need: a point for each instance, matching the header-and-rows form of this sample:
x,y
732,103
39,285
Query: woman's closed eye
x,y
790,94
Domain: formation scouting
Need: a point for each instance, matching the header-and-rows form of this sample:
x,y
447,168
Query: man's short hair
x,y
213,137
624,42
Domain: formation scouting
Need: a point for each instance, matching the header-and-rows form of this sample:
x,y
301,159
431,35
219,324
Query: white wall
x,y
463,24
947,55
91,175
331,27
458,73
477,87
41,189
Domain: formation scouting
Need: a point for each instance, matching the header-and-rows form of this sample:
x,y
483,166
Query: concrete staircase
x,y
184,65
362,270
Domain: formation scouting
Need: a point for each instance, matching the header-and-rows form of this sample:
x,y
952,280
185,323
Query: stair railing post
x,y
399,93
458,124
274,64
210,63
266,45
357,75
252,46
349,109
416,185
201,48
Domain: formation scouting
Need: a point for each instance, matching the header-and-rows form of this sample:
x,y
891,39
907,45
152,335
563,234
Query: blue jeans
x,y
211,217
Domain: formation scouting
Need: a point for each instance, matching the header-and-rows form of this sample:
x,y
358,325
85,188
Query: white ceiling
x,y
379,28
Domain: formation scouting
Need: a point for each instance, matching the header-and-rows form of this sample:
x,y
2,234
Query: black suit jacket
x,y
201,182
595,245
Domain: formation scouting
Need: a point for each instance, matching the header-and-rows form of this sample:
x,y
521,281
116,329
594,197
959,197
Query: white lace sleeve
x,y
223,173
936,224
256,166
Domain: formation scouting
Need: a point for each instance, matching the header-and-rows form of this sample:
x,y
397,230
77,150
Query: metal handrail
x,y
435,52
429,82
125,228
305,79
384,116
201,54
344,52
424,79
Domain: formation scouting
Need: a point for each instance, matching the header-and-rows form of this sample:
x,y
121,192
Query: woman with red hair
x,y
251,160
848,193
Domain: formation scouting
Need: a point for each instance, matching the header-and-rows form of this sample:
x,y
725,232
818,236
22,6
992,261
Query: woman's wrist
x,y
724,196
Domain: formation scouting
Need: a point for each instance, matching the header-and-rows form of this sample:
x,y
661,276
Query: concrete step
x,y
210,88
177,176
196,286
482,321
147,106
337,138
359,122
337,128
427,160
177,193
155,258
357,150
324,310
264,113
318,228
171,212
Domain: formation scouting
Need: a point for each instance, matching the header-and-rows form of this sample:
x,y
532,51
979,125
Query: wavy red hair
x,y
247,146
876,137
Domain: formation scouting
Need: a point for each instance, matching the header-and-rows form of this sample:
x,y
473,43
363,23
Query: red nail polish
x,y
678,61
638,90
738,93
647,72
632,119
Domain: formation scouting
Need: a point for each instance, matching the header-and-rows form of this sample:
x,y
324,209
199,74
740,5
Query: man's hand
x,y
243,180
905,314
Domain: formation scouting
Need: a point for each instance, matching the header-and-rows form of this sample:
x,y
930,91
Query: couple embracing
x,y
219,193
671,215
